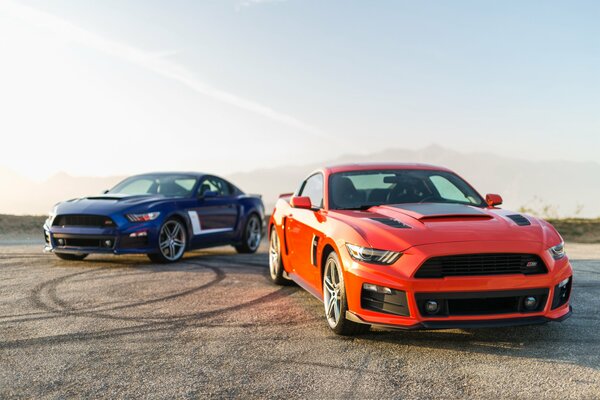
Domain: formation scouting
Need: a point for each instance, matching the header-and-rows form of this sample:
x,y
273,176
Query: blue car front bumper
x,y
139,238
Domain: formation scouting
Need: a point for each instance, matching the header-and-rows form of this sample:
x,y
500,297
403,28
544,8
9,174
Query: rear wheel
x,y
335,302
172,241
71,257
252,235
275,263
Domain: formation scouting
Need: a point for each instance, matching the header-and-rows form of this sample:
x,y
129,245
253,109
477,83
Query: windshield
x,y
364,189
166,185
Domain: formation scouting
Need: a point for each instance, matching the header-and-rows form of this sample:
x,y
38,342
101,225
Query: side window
x,y
213,184
313,188
447,189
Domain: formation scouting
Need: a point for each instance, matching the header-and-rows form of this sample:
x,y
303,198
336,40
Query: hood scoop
x,y
394,223
104,198
440,211
519,219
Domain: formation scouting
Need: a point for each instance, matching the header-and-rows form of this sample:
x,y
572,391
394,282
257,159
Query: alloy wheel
x,y
273,253
172,240
331,292
253,233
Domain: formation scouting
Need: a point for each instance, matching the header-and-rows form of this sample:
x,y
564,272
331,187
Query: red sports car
x,y
415,246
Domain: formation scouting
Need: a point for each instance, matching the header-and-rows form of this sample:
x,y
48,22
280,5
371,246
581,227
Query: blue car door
x,y
215,216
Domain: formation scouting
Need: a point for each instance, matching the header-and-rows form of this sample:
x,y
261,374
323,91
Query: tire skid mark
x,y
151,327
65,309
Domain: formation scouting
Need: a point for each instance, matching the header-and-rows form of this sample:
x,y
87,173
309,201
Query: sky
x,y
119,87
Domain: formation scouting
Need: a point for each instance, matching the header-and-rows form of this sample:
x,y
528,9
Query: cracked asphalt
x,y
213,326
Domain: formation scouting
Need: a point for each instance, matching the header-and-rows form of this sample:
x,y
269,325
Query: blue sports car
x,y
161,215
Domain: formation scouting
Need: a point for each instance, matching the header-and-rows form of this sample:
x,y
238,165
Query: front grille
x,y
481,303
97,221
481,264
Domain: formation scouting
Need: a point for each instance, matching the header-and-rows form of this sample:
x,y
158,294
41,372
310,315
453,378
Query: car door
x,y
216,213
303,232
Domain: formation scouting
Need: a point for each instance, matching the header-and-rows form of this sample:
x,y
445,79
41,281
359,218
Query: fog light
x,y
378,289
108,243
432,307
530,303
61,242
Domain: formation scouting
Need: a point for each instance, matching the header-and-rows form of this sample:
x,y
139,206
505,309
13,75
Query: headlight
x,y
50,219
367,254
557,252
143,217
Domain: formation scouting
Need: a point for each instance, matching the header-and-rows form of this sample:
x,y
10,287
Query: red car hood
x,y
382,226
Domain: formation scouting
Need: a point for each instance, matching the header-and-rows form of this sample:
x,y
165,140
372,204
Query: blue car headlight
x,y
557,252
367,254
143,217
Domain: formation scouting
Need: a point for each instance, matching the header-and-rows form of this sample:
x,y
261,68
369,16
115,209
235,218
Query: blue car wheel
x,y
252,235
172,242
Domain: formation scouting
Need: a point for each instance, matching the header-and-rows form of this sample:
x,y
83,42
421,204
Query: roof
x,y
381,166
188,173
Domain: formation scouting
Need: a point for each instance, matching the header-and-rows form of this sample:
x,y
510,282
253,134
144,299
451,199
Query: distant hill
x,y
563,188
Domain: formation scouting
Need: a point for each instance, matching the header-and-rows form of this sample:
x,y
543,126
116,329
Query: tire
x,y
171,242
275,263
252,235
70,257
335,301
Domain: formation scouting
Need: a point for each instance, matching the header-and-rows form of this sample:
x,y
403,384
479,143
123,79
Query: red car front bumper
x,y
465,301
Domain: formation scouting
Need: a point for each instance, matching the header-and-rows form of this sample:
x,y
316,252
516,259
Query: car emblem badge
x,y
532,264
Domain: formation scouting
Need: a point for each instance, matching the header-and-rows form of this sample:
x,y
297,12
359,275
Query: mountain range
x,y
553,188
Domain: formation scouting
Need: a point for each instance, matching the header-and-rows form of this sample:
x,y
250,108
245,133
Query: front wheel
x,y
172,240
71,257
275,263
335,302
252,235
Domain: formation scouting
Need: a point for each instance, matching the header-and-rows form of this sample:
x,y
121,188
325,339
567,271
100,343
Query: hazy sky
x,y
117,87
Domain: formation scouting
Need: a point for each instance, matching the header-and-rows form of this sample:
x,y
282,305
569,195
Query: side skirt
x,y
305,285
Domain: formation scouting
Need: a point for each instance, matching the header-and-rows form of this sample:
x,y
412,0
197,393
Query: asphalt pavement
x,y
213,326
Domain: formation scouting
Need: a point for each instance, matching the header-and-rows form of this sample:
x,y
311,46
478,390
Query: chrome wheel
x,y
332,284
172,240
253,233
273,254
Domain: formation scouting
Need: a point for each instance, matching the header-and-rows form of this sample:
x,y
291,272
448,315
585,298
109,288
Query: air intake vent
x,y
481,264
519,219
391,222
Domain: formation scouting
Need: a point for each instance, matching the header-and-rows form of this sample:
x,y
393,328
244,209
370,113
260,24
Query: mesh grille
x,y
481,264
83,220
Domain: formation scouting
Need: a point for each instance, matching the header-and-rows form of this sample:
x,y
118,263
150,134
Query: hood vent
x,y
391,222
519,219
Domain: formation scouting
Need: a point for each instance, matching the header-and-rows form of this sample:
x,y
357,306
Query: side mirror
x,y
301,202
208,194
493,199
